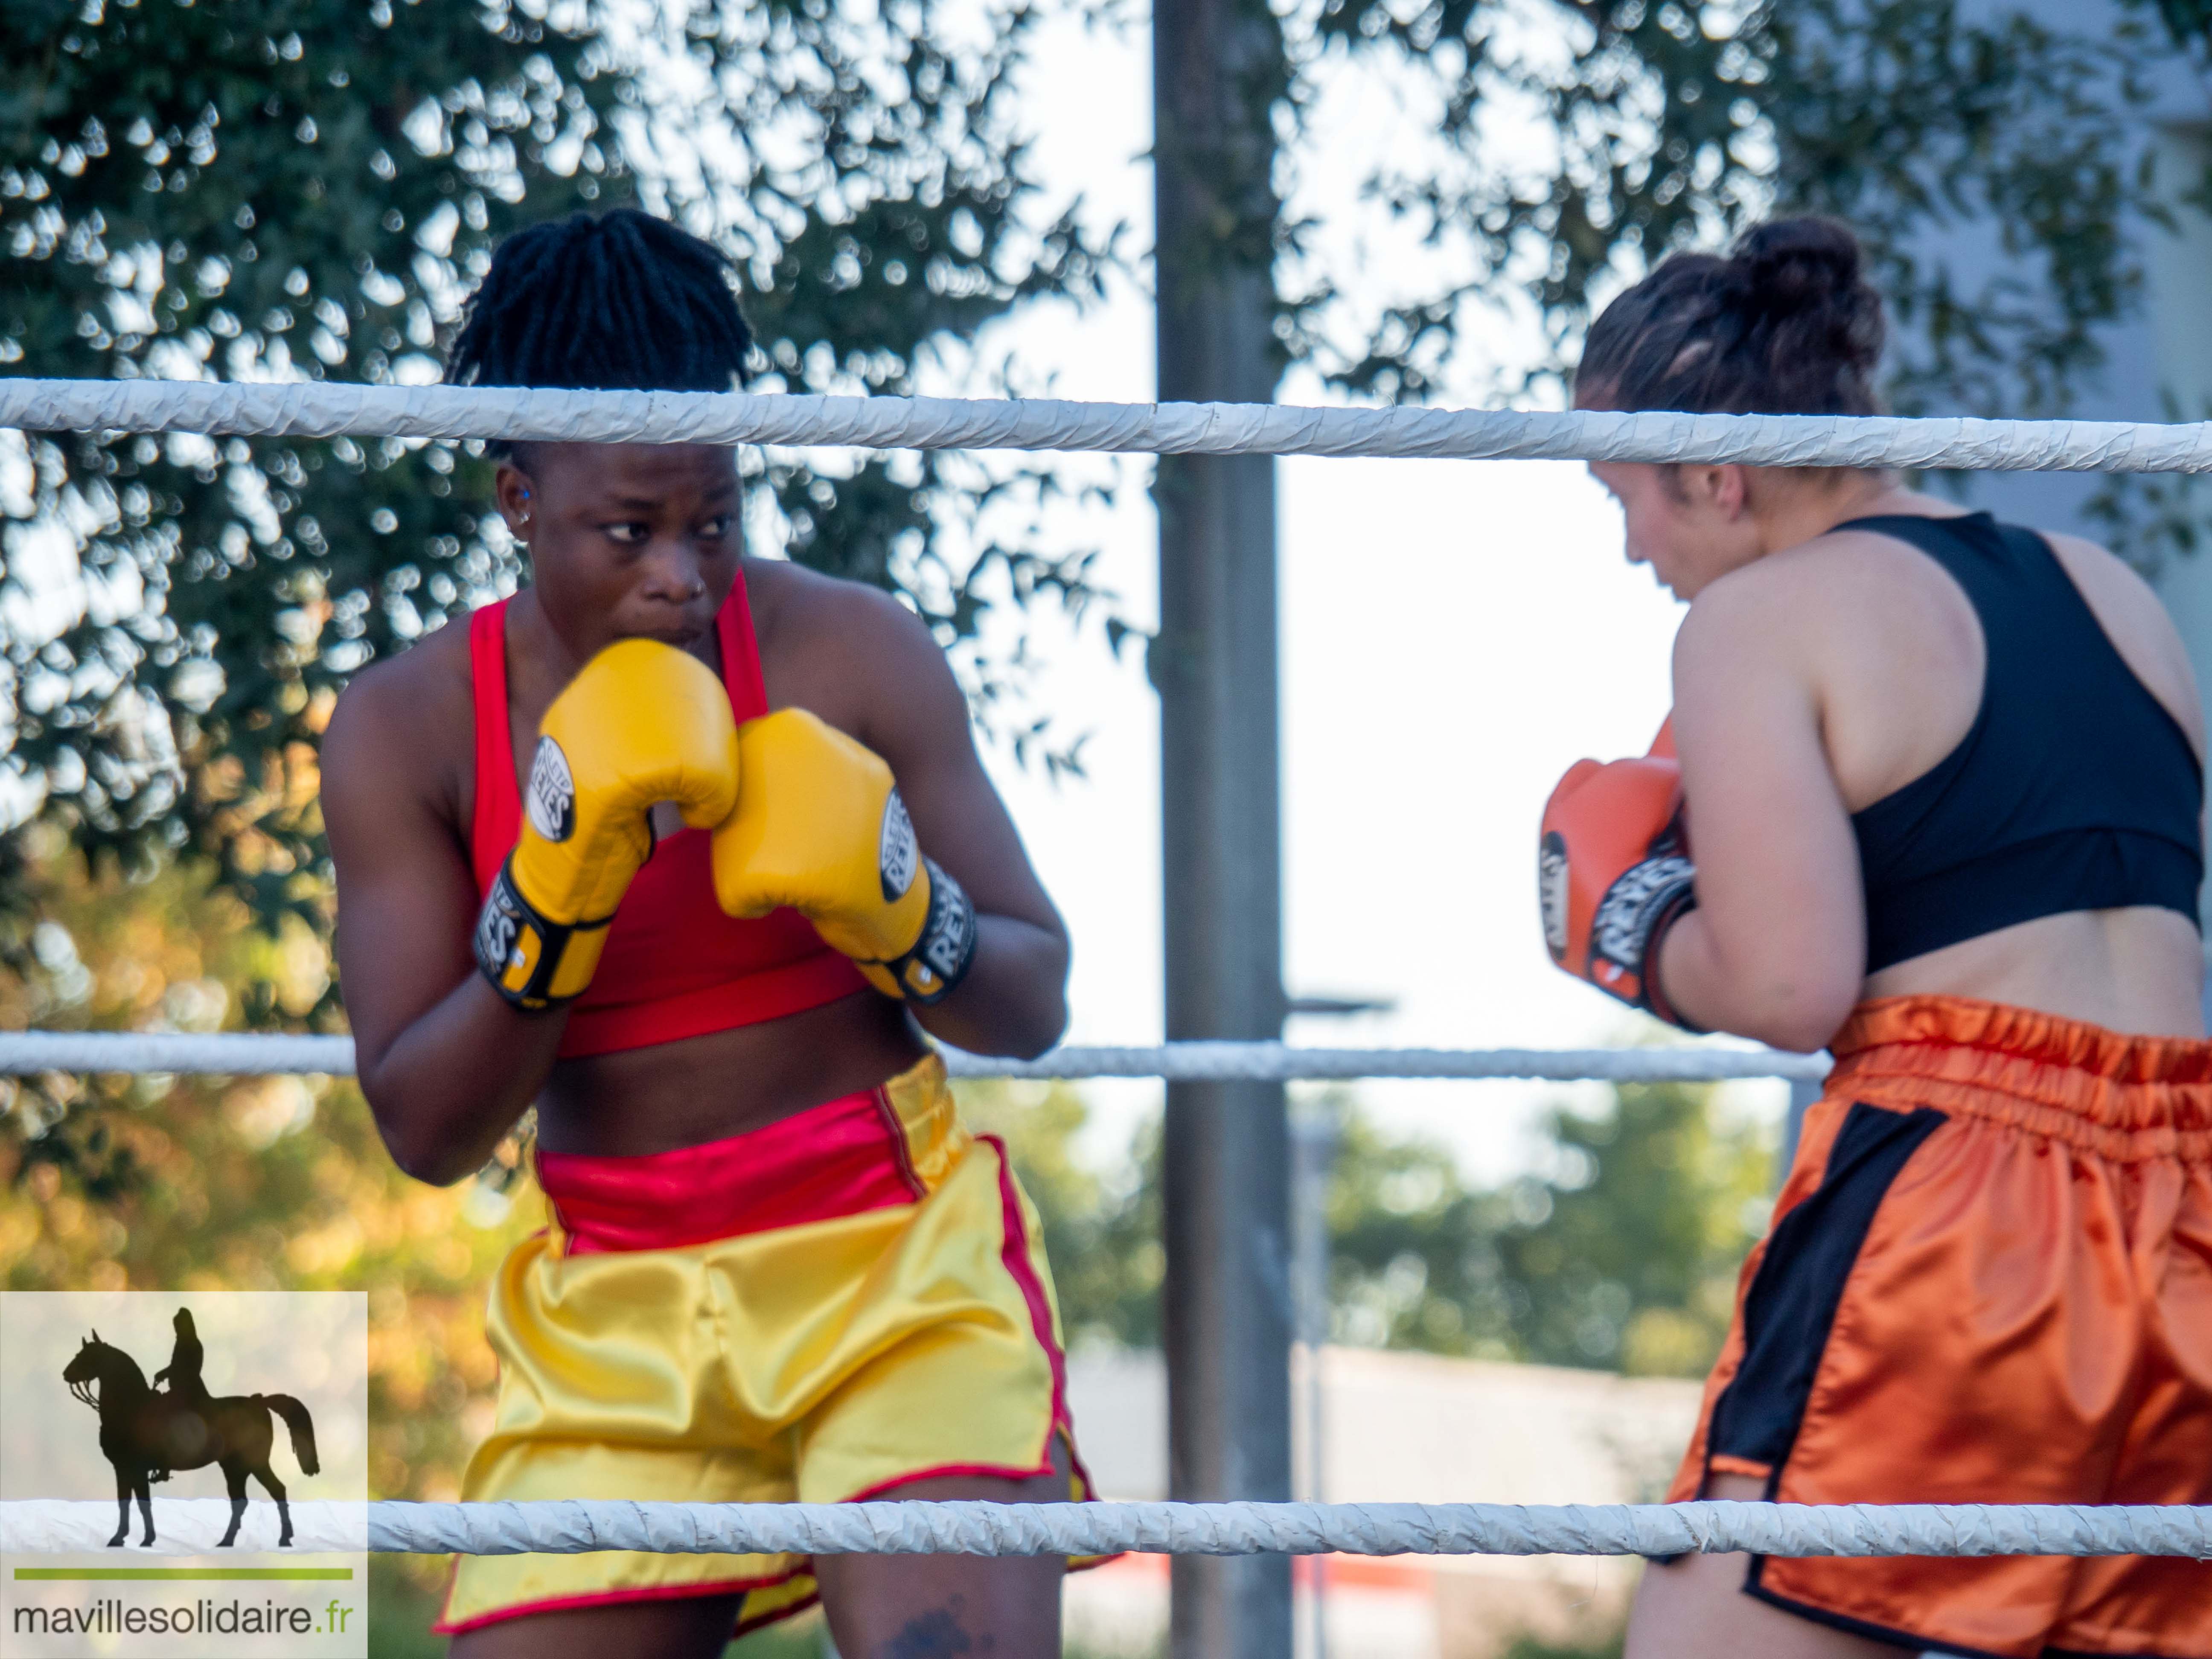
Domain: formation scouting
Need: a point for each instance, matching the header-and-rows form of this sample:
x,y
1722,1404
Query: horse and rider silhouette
x,y
148,1433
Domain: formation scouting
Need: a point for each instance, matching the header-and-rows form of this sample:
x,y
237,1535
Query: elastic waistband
x,y
2126,1098
875,1150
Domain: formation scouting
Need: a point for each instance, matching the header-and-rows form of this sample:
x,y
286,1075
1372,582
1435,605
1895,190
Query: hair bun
x,y
1791,264
1786,325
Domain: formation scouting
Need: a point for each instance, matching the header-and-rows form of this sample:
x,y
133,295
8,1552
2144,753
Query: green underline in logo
x,y
80,1575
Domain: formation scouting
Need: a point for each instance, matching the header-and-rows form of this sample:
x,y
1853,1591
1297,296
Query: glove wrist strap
x,y
532,961
938,961
1655,993
1631,922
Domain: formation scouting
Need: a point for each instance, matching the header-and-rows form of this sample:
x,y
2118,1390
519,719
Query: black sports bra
x,y
2075,788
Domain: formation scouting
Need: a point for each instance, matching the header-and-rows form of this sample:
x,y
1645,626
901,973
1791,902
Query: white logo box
x,y
284,1379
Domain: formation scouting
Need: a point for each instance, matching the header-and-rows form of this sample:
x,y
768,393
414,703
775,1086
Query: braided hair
x,y
1786,325
621,301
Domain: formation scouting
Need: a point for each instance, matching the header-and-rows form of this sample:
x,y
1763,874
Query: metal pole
x,y
1218,67
1314,1137
1804,1094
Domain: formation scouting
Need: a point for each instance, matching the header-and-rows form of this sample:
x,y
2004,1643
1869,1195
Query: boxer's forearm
x,y
450,1086
1014,998
1794,1004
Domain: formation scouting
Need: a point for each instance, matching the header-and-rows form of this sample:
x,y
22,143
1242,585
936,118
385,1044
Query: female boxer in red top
x,y
1937,810
683,847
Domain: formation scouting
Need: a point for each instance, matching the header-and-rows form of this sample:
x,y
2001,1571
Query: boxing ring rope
x,y
24,1054
319,409
191,1526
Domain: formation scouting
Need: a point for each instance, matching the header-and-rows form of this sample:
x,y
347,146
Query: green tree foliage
x,y
254,191
1530,1647
2189,19
1621,1253
1922,121
248,189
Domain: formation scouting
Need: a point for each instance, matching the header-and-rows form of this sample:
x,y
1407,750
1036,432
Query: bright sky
x,y
1454,635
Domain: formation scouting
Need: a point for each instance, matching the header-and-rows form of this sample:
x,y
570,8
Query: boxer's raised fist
x,y
1613,874
642,722
819,826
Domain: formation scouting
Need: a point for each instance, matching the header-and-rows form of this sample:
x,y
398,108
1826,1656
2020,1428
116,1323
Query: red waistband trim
x,y
839,1158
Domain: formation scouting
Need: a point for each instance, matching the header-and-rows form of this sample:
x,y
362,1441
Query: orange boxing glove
x,y
1613,874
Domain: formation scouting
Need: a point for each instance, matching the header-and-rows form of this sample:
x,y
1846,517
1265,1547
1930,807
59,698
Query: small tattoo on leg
x,y
936,1634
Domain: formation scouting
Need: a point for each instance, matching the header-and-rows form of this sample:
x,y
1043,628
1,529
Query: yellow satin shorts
x,y
821,1311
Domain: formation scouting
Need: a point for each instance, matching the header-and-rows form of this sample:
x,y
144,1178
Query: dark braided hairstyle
x,y
1786,325
619,302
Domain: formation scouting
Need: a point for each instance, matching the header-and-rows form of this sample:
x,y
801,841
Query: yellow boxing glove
x,y
819,826
642,722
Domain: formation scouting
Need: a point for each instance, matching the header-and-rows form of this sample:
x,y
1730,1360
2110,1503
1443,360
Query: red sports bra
x,y
674,966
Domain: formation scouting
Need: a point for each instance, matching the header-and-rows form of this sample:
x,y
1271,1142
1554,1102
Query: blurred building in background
x,y
1404,1428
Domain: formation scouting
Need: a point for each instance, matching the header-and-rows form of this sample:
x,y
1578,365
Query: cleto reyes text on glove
x,y
641,722
1614,873
819,826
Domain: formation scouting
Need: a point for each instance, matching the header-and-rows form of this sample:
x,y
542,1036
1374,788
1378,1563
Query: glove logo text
x,y
552,800
1552,893
497,928
1630,913
952,938
897,856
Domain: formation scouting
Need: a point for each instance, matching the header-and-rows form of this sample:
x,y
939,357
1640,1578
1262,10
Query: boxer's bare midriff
x,y
2134,970
706,1088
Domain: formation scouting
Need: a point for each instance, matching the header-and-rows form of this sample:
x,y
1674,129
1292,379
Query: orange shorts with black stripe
x,y
825,1309
1988,1279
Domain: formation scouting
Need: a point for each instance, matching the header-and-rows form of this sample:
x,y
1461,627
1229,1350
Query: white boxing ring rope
x,y
319,409
191,1527
24,1054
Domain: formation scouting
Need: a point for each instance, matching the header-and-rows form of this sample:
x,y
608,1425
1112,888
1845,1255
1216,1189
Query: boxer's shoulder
x,y
796,609
420,686
846,650
1767,608
1847,565
1838,601
410,716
